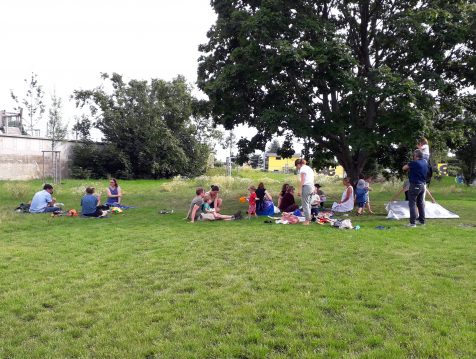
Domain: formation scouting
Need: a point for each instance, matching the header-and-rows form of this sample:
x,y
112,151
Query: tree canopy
x,y
148,124
356,80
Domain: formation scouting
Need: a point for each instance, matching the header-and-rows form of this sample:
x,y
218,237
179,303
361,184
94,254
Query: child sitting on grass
x,y
252,201
210,212
361,196
315,202
321,194
90,203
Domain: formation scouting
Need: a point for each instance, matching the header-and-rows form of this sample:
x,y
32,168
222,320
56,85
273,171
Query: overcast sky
x,y
69,43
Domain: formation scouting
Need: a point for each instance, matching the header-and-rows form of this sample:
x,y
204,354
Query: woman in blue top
x,y
114,193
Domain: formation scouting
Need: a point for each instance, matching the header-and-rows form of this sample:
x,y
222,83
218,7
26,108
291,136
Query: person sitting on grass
x,y
361,196
43,202
196,205
114,193
321,194
90,203
288,204
216,200
315,202
346,204
264,201
282,193
209,213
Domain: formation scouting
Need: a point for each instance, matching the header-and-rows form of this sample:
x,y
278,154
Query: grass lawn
x,y
145,285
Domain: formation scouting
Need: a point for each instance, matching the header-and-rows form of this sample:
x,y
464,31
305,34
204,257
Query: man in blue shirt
x,y
417,171
43,202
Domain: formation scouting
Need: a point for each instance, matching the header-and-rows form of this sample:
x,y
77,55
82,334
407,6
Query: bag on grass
x,y
23,208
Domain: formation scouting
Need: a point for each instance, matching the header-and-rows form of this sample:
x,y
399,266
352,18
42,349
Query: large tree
x,y
149,124
356,80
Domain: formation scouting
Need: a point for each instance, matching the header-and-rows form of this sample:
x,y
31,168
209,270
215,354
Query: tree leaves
x,y
149,123
350,77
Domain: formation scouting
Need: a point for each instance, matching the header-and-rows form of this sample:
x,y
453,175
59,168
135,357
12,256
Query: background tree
x,y
82,128
56,130
149,125
274,146
351,78
32,102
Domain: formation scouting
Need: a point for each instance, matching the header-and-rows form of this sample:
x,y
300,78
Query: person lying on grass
x,y
90,203
209,213
43,202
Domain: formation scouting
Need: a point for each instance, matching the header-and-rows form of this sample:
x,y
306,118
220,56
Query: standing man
x,y
306,187
43,202
417,172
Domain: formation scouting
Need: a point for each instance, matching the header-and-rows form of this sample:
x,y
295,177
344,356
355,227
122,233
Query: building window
x,y
278,158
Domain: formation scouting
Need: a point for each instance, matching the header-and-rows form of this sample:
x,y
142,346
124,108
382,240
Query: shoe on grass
x,y
420,223
411,225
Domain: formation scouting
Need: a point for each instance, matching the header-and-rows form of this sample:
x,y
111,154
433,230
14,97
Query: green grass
x,y
145,285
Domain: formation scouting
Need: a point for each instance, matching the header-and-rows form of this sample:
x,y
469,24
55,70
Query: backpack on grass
x,y
23,208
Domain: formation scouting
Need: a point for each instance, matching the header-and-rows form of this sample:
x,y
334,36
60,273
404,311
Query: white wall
x,y
21,157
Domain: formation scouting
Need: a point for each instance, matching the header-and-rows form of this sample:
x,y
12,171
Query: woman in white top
x,y
346,203
306,187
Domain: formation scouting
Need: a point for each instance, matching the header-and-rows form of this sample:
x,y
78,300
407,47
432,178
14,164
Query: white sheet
x,y
399,210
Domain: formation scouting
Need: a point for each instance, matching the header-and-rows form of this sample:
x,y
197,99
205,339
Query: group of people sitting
x,y
44,202
207,205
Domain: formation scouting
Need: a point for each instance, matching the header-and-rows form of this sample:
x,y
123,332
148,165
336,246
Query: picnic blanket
x,y
400,209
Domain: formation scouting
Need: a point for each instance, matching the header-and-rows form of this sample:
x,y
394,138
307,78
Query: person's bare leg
x,y
368,207
224,217
219,202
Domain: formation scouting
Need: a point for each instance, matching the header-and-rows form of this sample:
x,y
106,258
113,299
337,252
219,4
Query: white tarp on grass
x,y
400,209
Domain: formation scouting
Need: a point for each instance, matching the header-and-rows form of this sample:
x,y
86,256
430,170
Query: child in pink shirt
x,y
252,201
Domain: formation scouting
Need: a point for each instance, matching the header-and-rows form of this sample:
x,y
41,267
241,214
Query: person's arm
x,y
119,195
194,212
110,195
347,195
302,178
50,201
215,202
406,167
431,196
268,196
98,200
394,198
